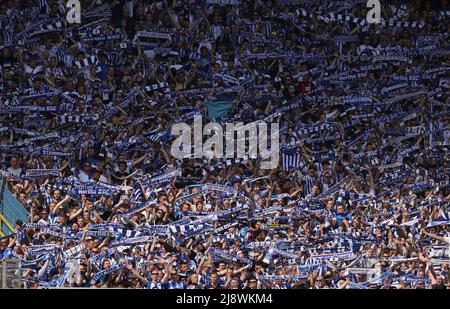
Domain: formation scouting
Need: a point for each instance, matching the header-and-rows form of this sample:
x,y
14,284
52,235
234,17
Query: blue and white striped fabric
x,y
216,31
227,237
157,86
308,183
204,280
43,6
268,29
138,195
186,228
155,137
47,199
291,160
303,129
54,25
70,118
8,38
121,232
252,27
228,162
87,62
60,55
190,54
172,285
53,218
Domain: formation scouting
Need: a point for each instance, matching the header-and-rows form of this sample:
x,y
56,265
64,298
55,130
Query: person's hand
x,y
88,205
229,273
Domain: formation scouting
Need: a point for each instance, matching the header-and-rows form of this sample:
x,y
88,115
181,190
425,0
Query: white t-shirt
x,y
83,177
31,70
16,171
129,167
42,221
103,179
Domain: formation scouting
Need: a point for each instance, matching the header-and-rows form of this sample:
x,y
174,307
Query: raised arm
x,y
423,231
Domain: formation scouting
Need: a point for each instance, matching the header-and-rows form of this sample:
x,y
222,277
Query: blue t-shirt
x,y
159,285
341,217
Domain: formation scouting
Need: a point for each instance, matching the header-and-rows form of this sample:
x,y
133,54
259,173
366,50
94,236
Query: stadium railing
x,y
11,274
10,210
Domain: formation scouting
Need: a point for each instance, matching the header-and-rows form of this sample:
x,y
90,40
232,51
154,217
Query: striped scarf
x,y
105,272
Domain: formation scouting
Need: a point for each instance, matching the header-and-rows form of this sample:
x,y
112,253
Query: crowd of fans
x,y
359,198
